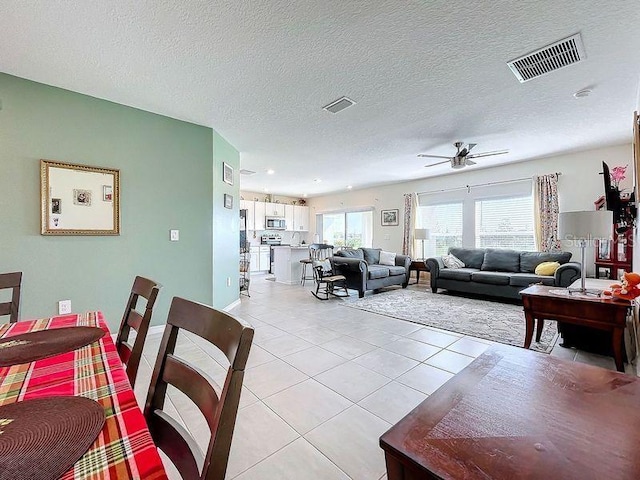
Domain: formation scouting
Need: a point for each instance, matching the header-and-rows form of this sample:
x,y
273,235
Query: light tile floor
x,y
323,383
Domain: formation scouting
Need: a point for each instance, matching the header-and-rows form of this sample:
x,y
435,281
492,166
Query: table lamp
x,y
422,234
583,229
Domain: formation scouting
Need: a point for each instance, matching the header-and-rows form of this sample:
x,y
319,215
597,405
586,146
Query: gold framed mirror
x,y
79,199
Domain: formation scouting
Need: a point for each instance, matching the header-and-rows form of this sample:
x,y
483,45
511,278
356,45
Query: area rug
x,y
495,321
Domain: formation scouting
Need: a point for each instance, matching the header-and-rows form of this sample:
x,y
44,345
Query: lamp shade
x,y
587,225
422,234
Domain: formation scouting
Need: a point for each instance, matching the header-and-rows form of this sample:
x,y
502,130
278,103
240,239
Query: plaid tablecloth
x,y
124,448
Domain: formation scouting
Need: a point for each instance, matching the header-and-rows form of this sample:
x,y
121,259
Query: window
x,y
444,222
505,223
350,229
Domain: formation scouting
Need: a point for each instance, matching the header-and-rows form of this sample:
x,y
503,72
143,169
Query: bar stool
x,y
317,251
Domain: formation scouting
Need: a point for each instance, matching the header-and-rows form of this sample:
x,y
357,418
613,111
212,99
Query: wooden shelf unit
x,y
615,254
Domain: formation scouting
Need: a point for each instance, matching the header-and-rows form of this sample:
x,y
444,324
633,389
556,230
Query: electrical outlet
x,y
64,307
174,235
228,281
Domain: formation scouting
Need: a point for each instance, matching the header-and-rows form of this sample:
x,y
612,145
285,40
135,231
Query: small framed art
x,y
228,201
227,173
390,217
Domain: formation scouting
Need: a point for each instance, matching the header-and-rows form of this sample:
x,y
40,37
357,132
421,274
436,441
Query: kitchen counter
x,y
286,263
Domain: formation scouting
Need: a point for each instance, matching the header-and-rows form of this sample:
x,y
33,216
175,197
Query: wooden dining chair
x,y
132,319
232,337
13,281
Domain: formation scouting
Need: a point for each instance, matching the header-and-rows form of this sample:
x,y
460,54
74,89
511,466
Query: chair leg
x,y
304,273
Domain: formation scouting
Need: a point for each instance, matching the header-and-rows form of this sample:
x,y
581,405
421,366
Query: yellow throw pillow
x,y
547,268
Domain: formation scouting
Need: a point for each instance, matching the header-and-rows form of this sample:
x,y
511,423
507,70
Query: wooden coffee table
x,y
540,303
418,266
515,413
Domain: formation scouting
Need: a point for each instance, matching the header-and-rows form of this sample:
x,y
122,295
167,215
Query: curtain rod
x,y
469,187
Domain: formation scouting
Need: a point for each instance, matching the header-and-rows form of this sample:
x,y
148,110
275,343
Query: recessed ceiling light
x,y
583,93
265,189
304,195
271,172
317,180
349,187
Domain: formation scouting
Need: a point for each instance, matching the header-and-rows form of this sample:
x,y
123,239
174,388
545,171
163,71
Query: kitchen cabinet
x,y
259,214
265,258
249,206
300,218
254,262
288,217
274,209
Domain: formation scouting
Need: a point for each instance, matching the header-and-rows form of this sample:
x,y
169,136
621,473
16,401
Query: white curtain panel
x,y
409,226
546,211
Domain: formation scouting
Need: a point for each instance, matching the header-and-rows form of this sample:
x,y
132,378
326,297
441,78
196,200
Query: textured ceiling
x,y
423,74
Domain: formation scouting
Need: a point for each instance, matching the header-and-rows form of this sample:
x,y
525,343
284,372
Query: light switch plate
x,y
64,307
175,235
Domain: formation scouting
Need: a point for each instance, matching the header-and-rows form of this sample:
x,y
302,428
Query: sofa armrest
x,y
403,261
567,274
435,264
346,264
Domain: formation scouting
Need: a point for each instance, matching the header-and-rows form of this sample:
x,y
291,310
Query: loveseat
x,y
363,271
498,272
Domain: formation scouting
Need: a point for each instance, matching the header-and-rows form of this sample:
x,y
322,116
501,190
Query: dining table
x,y
124,448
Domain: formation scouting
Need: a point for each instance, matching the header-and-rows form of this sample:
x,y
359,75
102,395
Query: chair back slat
x,y
193,384
172,438
320,251
147,289
12,308
233,337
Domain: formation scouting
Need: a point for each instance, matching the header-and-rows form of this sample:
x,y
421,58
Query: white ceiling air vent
x,y
547,59
340,104
244,171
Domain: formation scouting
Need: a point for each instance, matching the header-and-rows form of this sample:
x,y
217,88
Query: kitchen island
x,y
286,263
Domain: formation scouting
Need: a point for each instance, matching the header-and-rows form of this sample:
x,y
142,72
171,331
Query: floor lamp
x,y
583,229
422,234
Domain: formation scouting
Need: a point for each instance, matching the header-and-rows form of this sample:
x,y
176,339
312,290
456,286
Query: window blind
x,y
505,222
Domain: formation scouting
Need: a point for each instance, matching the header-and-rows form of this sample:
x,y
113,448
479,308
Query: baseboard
x,y
231,305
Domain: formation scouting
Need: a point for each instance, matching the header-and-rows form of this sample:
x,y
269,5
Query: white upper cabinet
x,y
249,206
288,217
300,218
274,209
260,213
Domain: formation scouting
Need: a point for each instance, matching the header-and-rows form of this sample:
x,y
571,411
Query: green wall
x,y
166,175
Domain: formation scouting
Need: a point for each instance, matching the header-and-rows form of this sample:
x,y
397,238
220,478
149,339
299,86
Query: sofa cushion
x,y
371,255
493,278
530,260
378,271
462,274
451,261
547,268
397,271
497,260
471,257
350,253
526,279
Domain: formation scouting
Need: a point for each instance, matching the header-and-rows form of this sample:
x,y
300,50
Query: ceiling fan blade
x,y
470,162
487,154
470,146
425,155
463,153
439,163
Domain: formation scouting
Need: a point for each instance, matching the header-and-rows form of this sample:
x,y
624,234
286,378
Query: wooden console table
x,y
540,303
515,413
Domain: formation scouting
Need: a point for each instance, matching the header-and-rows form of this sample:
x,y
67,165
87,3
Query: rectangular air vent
x,y
340,104
560,54
244,171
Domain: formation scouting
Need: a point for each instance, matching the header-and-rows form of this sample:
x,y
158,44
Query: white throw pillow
x,y
451,261
387,258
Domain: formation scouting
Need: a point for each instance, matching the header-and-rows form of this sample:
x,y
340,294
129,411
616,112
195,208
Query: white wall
x,y
579,186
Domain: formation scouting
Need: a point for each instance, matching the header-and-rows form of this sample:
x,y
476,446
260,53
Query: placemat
x,y
32,346
41,439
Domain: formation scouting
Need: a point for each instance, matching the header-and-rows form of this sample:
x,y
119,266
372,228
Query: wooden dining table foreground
x,y
124,449
515,413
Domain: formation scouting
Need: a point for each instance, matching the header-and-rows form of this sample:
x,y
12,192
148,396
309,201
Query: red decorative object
x,y
628,289
614,254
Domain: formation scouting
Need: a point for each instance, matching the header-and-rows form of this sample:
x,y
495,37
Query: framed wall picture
x,y
228,201
227,173
390,218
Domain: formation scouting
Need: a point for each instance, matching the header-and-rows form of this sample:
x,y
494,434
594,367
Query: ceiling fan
x,y
463,156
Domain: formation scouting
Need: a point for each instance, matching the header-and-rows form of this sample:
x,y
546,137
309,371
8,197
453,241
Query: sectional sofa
x,y
500,273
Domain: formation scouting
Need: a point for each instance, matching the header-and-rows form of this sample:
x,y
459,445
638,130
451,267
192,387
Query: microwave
x,y
274,223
